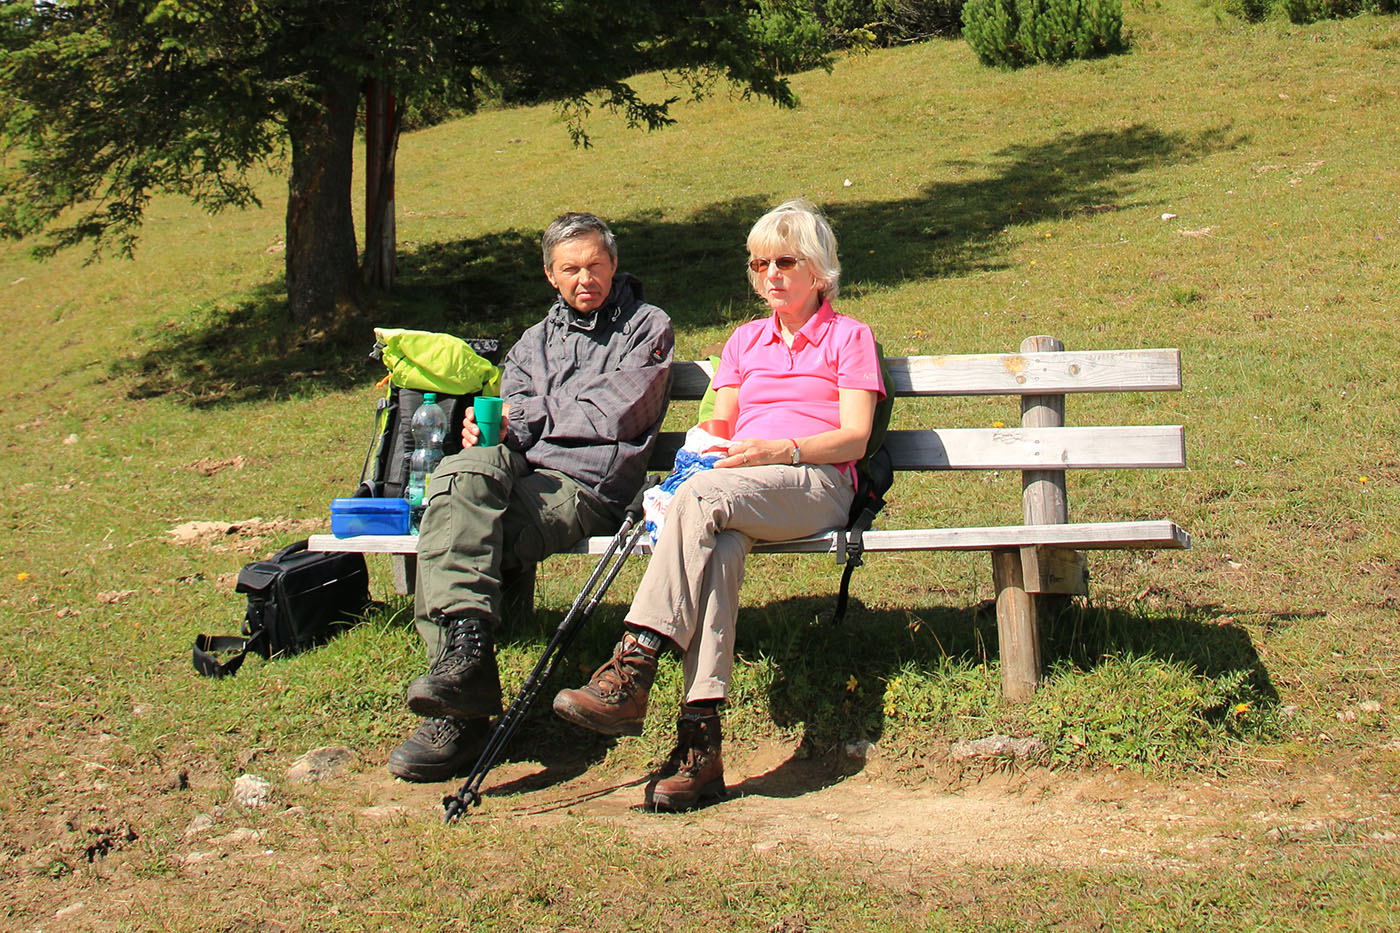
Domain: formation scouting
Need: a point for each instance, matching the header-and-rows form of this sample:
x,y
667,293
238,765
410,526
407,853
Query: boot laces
x,y
691,754
466,635
616,675
439,731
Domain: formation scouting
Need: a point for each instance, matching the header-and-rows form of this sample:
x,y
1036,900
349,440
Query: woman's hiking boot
x,y
464,682
694,771
440,749
614,701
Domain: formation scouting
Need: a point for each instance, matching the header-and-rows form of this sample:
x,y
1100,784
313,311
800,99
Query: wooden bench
x,y
1036,565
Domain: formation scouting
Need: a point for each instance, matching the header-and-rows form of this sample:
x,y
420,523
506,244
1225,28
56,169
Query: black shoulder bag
x,y
296,599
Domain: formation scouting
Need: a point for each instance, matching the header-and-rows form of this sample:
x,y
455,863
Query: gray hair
x,y
797,228
575,224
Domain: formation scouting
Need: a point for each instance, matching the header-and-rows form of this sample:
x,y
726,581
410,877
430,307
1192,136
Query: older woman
x,y
798,389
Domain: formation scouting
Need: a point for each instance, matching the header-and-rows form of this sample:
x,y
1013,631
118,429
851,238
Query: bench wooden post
x,y
1023,586
405,572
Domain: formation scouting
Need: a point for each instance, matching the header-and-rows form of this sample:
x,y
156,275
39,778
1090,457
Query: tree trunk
x,y
323,275
380,262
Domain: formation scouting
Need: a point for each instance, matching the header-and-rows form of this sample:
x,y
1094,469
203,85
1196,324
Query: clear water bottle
x,y
429,431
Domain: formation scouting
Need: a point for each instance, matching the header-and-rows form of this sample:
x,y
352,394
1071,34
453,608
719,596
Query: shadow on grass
x,y
827,681
491,285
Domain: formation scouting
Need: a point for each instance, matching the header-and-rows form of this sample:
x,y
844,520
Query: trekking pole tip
x,y
454,805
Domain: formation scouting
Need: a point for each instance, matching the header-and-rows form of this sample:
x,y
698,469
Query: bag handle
x,y
290,549
205,646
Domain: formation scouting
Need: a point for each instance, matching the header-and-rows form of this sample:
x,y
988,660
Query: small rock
x,y
998,746
249,790
293,812
769,846
71,910
178,779
320,763
1169,217
194,858
240,836
200,824
1369,706
71,439
861,749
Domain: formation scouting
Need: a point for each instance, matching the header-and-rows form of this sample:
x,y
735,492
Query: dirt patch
x,y
112,836
248,535
949,815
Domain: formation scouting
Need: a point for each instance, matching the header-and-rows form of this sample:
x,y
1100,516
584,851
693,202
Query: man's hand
x,y
471,433
754,451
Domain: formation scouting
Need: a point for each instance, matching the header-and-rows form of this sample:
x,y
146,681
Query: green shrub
x,y
794,39
1011,33
1251,11
1311,11
1303,12
894,21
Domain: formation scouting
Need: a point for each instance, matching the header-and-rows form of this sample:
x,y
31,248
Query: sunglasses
x,y
784,263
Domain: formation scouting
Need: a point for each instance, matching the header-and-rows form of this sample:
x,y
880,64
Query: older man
x,y
585,390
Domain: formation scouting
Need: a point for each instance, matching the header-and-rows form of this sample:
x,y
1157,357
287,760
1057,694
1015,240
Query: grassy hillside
x,y
1222,188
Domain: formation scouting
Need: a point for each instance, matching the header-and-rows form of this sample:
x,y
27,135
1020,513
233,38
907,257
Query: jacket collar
x,y
625,289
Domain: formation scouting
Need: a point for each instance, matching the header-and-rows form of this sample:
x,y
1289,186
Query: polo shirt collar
x,y
813,332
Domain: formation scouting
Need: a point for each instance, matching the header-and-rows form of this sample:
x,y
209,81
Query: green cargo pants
x,y
489,517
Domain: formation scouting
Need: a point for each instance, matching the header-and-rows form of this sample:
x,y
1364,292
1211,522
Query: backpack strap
x,y
372,469
870,499
205,647
874,476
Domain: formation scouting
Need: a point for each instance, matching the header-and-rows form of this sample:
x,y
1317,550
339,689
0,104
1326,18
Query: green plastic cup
x,y
487,409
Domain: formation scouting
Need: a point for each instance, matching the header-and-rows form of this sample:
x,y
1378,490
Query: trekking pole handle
x,y
634,509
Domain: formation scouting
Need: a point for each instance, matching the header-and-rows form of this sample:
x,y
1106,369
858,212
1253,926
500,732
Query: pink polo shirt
x,y
787,392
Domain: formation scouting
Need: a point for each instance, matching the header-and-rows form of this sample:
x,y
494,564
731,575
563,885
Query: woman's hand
x,y
755,451
471,433
841,445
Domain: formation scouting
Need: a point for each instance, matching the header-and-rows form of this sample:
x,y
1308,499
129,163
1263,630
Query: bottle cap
x,y
429,397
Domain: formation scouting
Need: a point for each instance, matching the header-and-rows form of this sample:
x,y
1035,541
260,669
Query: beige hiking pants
x,y
690,591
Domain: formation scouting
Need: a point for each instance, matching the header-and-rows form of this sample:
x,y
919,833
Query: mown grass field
x,y
1222,188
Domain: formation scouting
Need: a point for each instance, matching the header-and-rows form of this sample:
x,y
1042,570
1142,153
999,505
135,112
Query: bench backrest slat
x,y
1103,448
1071,371
1075,448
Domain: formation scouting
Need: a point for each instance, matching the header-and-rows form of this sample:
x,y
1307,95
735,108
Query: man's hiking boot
x,y
464,682
694,771
440,749
614,702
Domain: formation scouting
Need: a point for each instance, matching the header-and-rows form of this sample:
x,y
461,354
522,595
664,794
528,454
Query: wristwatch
x,y
796,452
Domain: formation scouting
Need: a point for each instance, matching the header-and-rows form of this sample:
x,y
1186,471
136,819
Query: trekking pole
x,y
454,805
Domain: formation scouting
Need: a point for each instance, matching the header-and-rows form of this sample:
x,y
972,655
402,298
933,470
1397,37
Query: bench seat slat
x,y
1107,447
1070,371
1078,536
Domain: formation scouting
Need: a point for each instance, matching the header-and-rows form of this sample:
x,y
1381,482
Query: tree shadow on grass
x,y
492,286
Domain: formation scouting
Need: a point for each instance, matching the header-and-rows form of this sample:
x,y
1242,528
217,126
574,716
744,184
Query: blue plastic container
x,y
351,517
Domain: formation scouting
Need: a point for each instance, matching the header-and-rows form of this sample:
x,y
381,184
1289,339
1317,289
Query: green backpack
x,y
418,362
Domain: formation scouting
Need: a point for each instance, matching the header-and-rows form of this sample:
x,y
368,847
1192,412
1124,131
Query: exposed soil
x,y
81,864
992,814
